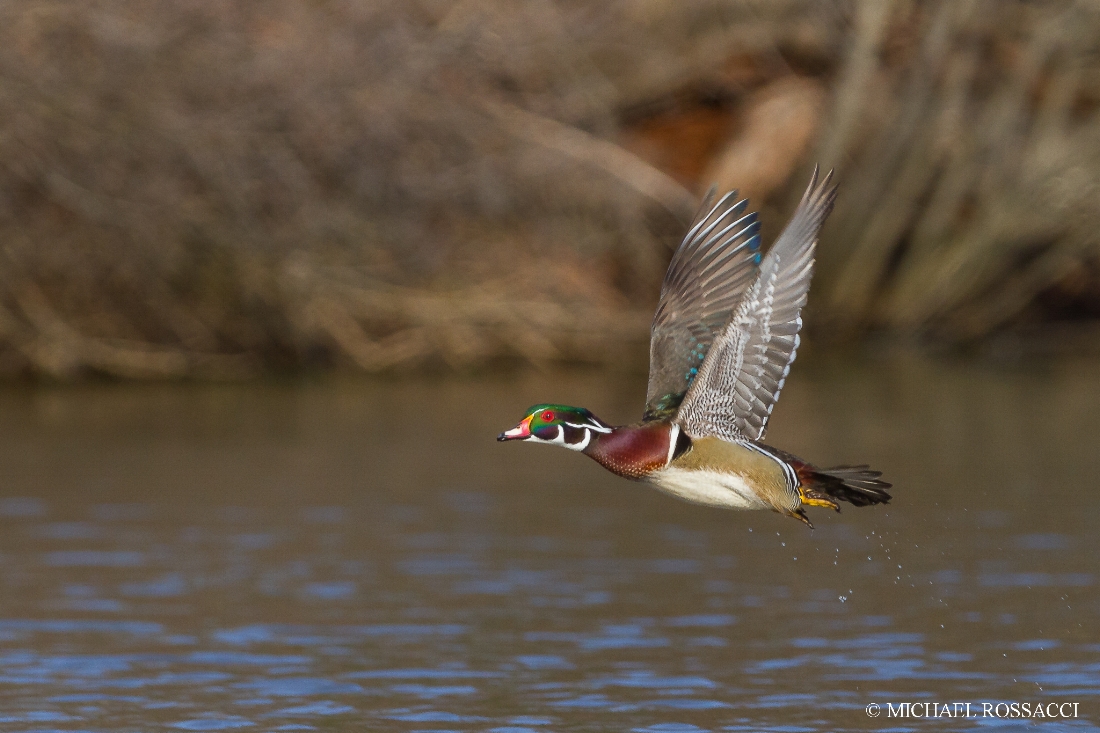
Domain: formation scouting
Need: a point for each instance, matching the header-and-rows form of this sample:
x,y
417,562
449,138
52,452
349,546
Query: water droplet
x,y
843,598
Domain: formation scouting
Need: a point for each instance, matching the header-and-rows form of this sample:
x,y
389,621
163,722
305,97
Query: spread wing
x,y
740,380
708,274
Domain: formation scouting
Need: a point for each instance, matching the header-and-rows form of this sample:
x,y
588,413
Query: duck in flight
x,y
721,346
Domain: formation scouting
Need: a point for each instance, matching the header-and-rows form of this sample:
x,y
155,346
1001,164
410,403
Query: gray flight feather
x,y
705,281
739,382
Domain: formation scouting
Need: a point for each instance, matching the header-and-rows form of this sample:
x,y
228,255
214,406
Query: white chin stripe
x,y
559,439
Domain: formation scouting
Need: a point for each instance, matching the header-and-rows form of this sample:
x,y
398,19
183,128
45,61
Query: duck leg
x,y
800,515
811,497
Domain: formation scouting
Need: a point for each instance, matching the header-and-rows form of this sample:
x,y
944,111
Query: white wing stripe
x,y
788,470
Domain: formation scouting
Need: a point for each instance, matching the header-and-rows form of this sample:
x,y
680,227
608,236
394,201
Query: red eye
x,y
548,416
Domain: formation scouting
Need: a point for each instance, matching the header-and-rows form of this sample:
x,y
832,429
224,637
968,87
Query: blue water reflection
x,y
313,573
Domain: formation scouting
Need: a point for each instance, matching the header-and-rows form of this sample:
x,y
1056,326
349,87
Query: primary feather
x,y
740,379
704,283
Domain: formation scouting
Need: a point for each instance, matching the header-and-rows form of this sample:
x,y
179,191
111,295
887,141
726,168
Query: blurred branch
x,y
626,167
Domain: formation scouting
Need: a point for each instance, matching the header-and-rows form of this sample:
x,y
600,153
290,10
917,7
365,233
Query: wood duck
x,y
722,343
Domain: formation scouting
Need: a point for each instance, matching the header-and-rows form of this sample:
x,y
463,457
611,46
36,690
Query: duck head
x,y
570,427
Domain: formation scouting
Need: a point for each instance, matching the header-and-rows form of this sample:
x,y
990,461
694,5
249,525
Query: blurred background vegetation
x,y
222,189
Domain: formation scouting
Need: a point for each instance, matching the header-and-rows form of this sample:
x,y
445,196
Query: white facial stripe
x,y
583,444
589,426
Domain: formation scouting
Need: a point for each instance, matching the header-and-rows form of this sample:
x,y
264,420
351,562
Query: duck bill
x,y
519,432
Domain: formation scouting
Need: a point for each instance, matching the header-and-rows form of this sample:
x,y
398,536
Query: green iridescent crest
x,y
546,421
550,415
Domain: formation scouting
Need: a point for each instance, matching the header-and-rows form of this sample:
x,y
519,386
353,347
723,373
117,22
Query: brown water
x,y
365,556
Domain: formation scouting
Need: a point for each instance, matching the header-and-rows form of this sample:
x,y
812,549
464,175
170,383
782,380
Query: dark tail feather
x,y
857,485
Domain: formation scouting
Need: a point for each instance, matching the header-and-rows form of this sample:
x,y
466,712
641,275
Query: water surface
x,y
365,556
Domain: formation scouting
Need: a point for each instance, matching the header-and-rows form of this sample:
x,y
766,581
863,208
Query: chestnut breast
x,y
633,451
